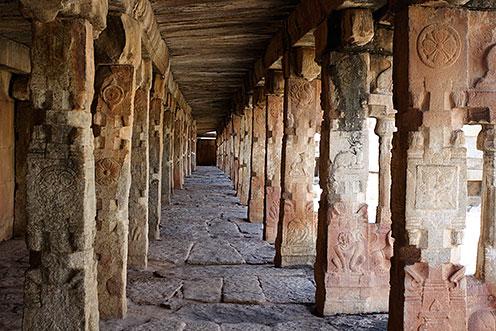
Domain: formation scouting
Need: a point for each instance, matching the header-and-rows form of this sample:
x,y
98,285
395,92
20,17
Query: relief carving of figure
x,y
348,253
381,252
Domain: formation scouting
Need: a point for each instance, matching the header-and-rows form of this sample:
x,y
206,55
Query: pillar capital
x,y
274,82
95,11
300,62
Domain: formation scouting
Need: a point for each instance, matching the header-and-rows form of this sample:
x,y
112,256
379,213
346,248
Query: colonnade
x,y
98,144
406,261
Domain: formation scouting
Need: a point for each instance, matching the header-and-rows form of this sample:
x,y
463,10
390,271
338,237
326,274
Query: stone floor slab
x,y
288,289
203,290
214,252
242,289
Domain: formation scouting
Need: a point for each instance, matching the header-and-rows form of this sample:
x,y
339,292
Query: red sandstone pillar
x,y
273,142
295,243
256,201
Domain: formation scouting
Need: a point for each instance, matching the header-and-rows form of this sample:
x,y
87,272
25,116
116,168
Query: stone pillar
x,y
275,128
245,154
178,168
193,147
188,151
296,235
113,112
156,149
429,189
353,256
185,144
236,136
61,281
486,264
7,172
167,154
112,127
138,194
256,201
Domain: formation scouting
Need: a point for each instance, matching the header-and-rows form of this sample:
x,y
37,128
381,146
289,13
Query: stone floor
x,y
210,271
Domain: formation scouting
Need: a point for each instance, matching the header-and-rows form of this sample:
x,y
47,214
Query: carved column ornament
x,y
275,128
447,81
256,201
61,205
138,195
112,128
155,156
295,242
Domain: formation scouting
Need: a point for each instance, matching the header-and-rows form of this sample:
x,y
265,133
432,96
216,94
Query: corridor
x,y
209,271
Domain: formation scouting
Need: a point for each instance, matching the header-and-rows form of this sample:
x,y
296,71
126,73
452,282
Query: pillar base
x,y
294,260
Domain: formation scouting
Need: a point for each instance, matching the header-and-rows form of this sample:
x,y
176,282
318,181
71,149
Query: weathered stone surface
x,y
7,154
353,256
296,233
242,289
288,289
214,252
204,290
152,291
201,326
222,228
275,128
167,157
321,325
245,327
163,325
254,251
244,168
155,156
256,200
61,172
176,251
112,127
138,193
14,57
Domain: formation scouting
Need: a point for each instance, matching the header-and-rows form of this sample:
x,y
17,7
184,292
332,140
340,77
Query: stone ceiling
x,y
214,44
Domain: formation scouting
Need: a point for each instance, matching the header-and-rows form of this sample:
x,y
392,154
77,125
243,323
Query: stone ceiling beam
x,y
154,44
14,57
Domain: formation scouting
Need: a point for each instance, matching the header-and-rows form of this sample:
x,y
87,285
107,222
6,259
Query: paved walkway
x,y
210,271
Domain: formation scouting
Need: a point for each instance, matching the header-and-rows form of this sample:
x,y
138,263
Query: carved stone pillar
x,y
168,152
188,151
138,194
178,167
275,128
353,256
112,127
156,147
61,204
245,155
295,243
257,197
236,136
429,189
486,263
193,147
7,169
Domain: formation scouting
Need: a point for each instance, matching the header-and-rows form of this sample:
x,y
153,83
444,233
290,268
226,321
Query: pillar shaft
x,y
61,280
178,149
167,156
245,155
275,129
257,196
138,195
295,243
112,127
156,149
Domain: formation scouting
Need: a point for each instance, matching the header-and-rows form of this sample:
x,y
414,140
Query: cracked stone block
x,y
243,289
254,251
223,228
320,325
245,327
162,325
201,326
175,251
153,291
214,252
204,290
288,289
